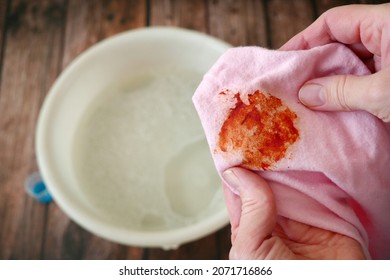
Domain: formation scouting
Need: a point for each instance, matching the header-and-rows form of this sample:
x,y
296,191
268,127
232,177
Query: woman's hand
x,y
366,30
257,232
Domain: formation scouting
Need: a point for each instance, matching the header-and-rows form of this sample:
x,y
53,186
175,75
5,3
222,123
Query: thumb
x,y
347,92
258,210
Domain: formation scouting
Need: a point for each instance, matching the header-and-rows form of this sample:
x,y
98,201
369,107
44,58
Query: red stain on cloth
x,y
260,131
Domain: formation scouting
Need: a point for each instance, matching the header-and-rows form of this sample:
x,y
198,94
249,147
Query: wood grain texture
x,y
93,20
287,18
224,243
256,30
3,16
33,44
188,14
238,22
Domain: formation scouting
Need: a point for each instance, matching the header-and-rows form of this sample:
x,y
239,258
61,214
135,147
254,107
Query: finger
x,y
350,25
332,26
346,92
233,204
258,210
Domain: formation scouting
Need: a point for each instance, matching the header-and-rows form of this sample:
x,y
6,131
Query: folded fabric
x,y
327,169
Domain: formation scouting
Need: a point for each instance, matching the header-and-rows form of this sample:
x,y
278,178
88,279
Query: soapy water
x,y
141,157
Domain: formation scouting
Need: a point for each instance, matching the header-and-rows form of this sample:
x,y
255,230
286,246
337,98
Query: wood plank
x,y
287,18
182,13
122,15
91,21
87,23
256,27
32,49
238,22
3,15
224,243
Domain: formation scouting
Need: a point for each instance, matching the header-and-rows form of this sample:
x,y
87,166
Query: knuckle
x,y
339,93
378,93
378,97
370,93
252,206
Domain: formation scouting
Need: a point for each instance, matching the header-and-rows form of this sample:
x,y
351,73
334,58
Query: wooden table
x,y
39,38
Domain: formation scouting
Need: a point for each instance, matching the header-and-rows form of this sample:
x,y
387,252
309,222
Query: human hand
x,y
366,30
257,232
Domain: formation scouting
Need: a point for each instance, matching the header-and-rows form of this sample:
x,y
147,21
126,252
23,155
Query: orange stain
x,y
261,131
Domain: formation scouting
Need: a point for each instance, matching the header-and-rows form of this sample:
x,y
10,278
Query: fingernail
x,y
312,95
231,178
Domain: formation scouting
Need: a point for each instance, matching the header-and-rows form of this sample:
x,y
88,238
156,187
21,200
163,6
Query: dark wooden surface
x,y
39,38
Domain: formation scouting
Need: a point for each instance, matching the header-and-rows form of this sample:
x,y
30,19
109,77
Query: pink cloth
x,y
335,174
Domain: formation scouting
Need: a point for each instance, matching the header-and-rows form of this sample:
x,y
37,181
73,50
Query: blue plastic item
x,y
36,188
